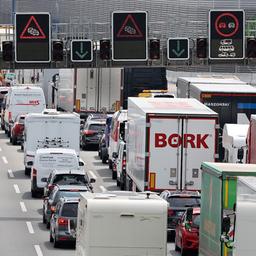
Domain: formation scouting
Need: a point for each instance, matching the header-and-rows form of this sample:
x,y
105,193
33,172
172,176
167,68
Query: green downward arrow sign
x,y
81,54
178,52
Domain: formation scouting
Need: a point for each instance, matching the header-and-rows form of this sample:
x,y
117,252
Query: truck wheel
x,y
110,166
104,159
27,171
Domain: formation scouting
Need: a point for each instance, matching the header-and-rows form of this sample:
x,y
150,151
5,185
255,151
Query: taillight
x,y
10,116
88,132
62,222
34,172
124,163
171,212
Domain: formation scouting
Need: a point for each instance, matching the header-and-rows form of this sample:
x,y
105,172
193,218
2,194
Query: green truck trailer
x,y
218,200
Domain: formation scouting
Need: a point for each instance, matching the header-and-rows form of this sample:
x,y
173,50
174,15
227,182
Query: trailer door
x,y
164,153
199,142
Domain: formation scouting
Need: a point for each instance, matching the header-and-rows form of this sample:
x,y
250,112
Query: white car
x,y
48,159
121,165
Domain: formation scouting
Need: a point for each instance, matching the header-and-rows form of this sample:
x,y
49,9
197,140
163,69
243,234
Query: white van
x,y
118,117
50,130
121,223
22,100
48,159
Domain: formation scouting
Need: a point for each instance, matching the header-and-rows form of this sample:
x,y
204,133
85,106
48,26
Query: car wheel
x,y
183,252
56,243
27,171
114,175
44,219
99,152
33,193
177,248
104,159
47,224
110,164
9,134
117,182
14,141
122,181
11,139
22,147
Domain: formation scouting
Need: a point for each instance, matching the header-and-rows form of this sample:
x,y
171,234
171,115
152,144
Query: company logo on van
x,y
175,140
30,103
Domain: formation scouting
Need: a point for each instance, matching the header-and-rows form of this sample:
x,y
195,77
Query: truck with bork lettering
x,y
166,143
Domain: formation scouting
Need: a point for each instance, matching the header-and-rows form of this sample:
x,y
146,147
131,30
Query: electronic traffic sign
x,y
129,36
178,48
226,34
32,37
81,50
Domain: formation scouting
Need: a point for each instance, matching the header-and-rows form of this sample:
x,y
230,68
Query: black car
x,y
179,201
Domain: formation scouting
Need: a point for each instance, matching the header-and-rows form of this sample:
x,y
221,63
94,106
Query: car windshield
x,y
97,127
70,179
184,201
196,220
60,194
69,210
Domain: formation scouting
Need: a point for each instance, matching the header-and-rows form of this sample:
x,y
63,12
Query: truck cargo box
x,y
167,141
251,141
121,224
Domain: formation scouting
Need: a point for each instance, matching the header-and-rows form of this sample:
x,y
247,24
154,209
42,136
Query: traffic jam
x,y
183,167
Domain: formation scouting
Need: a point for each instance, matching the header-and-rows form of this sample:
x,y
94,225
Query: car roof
x,y
55,150
71,171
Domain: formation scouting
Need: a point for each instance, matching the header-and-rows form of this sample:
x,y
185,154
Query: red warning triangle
x,y
129,28
32,30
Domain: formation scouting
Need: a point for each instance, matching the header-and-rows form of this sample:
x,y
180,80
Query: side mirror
x,y
189,214
81,163
30,163
240,154
92,180
114,155
44,179
226,225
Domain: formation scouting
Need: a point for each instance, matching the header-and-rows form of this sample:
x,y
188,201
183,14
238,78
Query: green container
x,y
219,183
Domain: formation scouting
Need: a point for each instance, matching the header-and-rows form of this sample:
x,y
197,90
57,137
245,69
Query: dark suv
x,y
179,201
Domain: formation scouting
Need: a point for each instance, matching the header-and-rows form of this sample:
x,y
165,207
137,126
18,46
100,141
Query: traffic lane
x,y
104,180
31,234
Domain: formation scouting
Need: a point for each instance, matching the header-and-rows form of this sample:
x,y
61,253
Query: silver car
x,y
64,221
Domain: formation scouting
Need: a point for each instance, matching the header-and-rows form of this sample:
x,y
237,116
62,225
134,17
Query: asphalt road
x,y
21,229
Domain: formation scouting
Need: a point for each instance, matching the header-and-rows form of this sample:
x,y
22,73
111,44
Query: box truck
x,y
234,142
121,224
183,83
234,104
167,139
251,141
50,130
218,201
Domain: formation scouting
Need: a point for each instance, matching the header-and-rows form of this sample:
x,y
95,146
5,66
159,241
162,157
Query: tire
x,y
51,238
14,141
118,183
177,248
9,133
33,193
99,153
44,219
122,181
11,139
22,147
110,166
47,224
104,159
182,251
56,244
27,171
114,175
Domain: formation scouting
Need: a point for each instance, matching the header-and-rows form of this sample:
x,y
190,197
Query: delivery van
x,y
22,100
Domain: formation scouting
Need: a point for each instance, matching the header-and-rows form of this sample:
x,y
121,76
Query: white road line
x,y
16,188
0,149
30,227
23,207
38,250
103,189
4,159
93,175
11,175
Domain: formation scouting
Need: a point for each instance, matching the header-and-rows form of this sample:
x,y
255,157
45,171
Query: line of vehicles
x,y
156,143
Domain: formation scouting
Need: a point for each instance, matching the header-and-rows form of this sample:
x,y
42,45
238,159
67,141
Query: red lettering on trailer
x,y
175,140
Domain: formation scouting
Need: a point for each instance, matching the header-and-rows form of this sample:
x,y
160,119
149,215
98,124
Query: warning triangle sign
x,y
32,30
129,29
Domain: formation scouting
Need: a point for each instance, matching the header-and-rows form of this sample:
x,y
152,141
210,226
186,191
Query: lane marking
x,y
30,227
11,175
16,188
38,250
4,159
103,189
93,175
0,149
23,207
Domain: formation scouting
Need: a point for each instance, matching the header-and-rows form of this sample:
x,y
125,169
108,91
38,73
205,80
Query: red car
x,y
187,232
17,129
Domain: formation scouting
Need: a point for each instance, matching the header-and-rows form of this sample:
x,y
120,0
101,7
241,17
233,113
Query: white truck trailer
x,y
120,224
234,142
50,130
166,143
